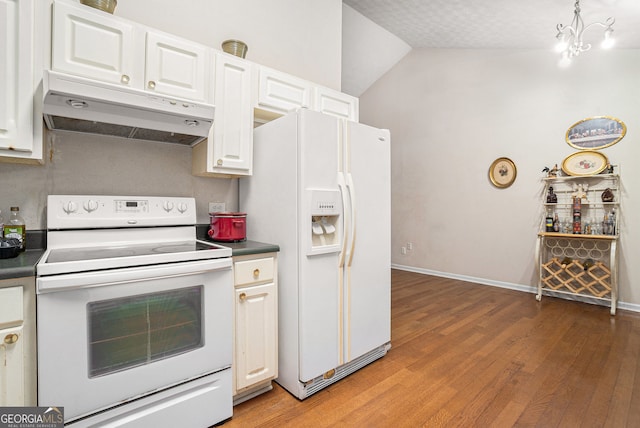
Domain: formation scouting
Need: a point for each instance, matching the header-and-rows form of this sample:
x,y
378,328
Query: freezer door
x,y
319,295
367,291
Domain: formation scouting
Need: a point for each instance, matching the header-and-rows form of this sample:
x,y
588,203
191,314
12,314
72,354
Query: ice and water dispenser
x,y
325,213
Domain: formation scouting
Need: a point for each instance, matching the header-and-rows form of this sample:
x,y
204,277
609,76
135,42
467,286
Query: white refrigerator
x,y
321,190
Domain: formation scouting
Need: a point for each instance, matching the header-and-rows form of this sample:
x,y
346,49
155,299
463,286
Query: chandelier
x,y
569,37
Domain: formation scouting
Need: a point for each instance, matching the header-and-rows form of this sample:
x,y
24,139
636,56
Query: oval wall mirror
x,y
596,133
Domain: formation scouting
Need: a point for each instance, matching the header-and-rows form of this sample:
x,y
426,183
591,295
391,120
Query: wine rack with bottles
x,y
577,240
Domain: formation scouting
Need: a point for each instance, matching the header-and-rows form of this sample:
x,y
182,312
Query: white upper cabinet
x,y
279,93
19,134
91,43
94,44
176,66
336,103
229,149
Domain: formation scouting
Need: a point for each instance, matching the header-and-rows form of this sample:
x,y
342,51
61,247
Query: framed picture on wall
x,y
595,133
502,172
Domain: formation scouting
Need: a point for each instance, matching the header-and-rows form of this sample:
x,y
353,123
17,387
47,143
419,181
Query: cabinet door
x,y
255,335
336,103
176,67
94,44
12,370
16,82
11,367
232,130
280,92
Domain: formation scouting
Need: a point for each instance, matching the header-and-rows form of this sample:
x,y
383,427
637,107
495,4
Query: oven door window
x,y
136,330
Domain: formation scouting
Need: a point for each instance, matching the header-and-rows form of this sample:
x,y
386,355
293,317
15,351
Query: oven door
x,y
108,337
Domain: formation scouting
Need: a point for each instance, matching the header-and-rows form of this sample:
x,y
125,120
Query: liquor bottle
x,y
548,223
15,228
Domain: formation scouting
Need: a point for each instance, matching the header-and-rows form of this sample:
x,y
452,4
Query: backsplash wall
x,y
87,164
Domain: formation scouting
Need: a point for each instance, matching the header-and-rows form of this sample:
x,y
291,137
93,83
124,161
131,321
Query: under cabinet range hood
x,y
78,104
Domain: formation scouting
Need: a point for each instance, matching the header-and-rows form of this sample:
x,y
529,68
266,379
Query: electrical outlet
x,y
403,250
217,207
409,246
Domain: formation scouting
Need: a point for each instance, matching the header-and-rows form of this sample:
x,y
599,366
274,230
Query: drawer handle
x,y
256,273
10,339
243,297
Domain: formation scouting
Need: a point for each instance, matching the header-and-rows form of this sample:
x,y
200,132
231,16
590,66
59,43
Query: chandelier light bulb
x,y
562,44
565,60
609,40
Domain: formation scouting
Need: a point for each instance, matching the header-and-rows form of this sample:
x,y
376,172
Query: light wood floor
x,y
467,355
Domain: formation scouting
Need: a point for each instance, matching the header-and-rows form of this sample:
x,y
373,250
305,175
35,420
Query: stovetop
x,y
89,233
94,253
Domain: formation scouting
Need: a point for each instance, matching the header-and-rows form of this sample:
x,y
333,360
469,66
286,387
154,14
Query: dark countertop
x,y
25,263
21,266
249,247
238,248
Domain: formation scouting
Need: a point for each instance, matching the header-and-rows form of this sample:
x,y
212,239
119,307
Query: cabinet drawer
x,y
250,271
11,306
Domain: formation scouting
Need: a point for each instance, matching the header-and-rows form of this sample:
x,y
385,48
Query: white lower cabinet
x,y
17,343
12,367
255,353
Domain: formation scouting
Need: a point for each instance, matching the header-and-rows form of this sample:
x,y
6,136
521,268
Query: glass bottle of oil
x,y
14,227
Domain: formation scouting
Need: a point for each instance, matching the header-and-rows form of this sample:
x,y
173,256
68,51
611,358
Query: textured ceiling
x,y
497,23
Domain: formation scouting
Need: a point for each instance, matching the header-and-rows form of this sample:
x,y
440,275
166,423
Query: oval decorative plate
x,y
586,162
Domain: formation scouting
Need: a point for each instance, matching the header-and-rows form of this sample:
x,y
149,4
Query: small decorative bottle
x,y
552,198
15,228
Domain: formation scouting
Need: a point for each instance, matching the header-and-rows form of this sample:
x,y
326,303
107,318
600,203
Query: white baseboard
x,y
511,286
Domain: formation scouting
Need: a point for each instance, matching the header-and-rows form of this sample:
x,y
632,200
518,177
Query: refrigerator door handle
x,y
352,217
345,224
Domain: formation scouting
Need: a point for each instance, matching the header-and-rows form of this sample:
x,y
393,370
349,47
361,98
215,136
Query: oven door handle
x,y
74,281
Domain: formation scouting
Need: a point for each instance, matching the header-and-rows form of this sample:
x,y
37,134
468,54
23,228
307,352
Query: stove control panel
x,y
93,211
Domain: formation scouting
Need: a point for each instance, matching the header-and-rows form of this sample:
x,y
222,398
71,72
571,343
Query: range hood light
x,y
191,122
77,103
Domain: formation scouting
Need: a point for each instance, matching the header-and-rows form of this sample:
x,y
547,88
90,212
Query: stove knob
x,y
90,205
168,206
70,207
182,207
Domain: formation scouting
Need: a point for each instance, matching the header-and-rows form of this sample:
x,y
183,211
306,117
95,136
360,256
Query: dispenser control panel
x,y
325,202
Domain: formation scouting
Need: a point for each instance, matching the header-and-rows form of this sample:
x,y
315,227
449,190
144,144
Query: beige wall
x,y
452,112
301,38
